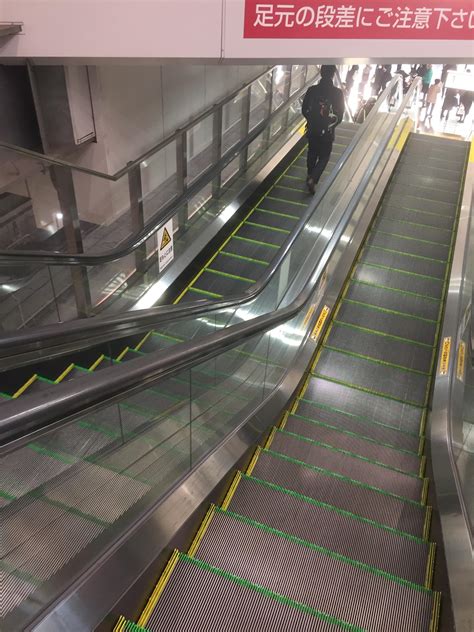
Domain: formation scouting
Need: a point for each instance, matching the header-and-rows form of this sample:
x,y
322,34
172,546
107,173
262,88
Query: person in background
x,y
432,96
450,102
444,74
350,79
386,76
426,82
364,80
404,75
377,81
323,109
466,100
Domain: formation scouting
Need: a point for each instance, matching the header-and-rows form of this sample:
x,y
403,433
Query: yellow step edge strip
x,y
421,473
64,373
404,135
424,492
427,524
295,405
423,423
421,445
202,530
434,623
122,354
231,491
430,566
471,152
160,586
253,461
269,441
120,625
23,388
143,340
95,364
284,419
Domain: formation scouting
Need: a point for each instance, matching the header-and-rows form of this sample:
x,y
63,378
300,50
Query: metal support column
x,y
217,147
244,128
136,210
64,185
269,102
182,175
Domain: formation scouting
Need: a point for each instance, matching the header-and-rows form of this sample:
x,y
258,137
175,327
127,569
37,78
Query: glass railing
x,y
191,179
122,457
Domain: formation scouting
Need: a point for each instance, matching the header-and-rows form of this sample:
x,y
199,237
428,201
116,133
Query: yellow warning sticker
x,y
309,313
165,239
320,323
445,353
461,363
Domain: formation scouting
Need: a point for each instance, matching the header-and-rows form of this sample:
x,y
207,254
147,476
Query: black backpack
x,y
321,117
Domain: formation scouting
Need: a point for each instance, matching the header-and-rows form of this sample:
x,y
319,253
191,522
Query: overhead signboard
x,y
360,19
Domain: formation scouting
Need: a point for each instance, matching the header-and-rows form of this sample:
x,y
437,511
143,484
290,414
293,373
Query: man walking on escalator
x,y
323,109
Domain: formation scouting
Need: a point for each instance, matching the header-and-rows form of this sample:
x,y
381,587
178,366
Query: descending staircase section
x,y
328,528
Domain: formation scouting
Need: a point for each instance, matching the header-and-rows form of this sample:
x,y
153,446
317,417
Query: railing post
x,y
64,185
270,81
217,147
244,128
136,209
286,94
182,174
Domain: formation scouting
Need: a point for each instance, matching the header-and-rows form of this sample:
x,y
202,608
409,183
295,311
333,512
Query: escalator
x,y
328,528
237,264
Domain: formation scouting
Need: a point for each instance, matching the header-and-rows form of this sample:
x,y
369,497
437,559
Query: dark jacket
x,y
328,91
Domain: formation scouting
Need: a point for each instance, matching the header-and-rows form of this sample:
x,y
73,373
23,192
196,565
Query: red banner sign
x,y
360,19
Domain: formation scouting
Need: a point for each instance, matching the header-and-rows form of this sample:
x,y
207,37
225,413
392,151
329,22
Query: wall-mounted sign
x,y
166,246
360,19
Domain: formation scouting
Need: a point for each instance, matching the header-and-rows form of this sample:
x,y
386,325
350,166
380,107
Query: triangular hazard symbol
x,y
165,239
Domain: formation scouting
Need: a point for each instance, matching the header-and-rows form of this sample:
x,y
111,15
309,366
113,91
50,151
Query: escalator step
x,y
201,597
292,193
219,284
262,235
398,280
419,240
395,414
404,327
410,304
250,248
405,200
354,443
401,353
391,551
282,563
386,381
275,219
426,193
280,205
237,267
349,465
347,421
384,251
425,218
431,179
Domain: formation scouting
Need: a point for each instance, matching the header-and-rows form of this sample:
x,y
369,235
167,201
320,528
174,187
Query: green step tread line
x,y
400,271
387,310
191,288
264,227
277,213
228,275
379,286
242,258
408,238
268,593
255,241
370,391
350,433
320,549
19,574
414,210
383,334
347,479
348,414
354,455
403,254
361,356
338,510
406,221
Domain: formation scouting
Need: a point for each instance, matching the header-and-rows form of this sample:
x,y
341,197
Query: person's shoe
x,y
310,184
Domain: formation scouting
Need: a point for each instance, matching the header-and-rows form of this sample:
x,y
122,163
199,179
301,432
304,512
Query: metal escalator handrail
x,y
166,213
42,411
106,327
59,162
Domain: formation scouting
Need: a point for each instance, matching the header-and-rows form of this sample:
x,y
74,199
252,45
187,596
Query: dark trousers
x,y
319,152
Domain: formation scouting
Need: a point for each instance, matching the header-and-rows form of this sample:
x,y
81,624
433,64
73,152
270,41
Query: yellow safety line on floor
x,y
64,373
160,586
202,530
120,625
430,566
253,461
122,354
231,491
95,364
271,436
427,523
143,340
23,388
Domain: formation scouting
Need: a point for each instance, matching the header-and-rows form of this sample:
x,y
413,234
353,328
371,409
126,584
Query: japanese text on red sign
x,y
364,19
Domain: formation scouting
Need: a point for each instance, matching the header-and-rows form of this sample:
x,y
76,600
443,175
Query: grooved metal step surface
x,y
283,565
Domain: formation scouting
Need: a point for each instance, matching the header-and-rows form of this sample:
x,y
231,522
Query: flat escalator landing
x,y
328,528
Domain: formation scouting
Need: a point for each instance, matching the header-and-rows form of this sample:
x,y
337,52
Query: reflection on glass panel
x,y
231,122
258,101
231,169
255,147
312,72
464,450
297,78
199,147
197,202
158,179
281,81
